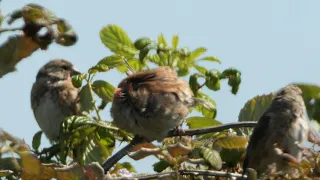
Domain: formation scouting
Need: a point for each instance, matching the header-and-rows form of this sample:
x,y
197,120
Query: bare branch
x,y
183,172
190,132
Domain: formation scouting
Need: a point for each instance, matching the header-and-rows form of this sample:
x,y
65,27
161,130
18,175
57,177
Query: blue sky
x,y
272,43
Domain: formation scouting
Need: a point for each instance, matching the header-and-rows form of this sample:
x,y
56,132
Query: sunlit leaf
x,y
162,40
232,142
103,89
201,69
212,157
255,107
142,43
184,52
135,64
201,122
196,53
117,40
128,166
209,109
175,41
210,58
311,92
36,140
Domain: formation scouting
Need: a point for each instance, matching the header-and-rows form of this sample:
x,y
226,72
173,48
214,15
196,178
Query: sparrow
x,y
53,97
279,134
151,103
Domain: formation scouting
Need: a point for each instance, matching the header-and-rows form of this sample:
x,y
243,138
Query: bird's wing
x,y
256,141
146,90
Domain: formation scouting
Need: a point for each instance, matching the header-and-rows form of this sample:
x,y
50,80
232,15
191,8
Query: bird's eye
x,y
65,67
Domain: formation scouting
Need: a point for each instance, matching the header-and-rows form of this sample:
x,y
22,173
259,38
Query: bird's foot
x,y
178,130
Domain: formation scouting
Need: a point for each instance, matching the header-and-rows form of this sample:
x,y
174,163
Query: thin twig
x,y
9,29
190,132
184,172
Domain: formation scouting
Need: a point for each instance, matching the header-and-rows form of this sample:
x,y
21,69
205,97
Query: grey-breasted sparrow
x,y
151,103
53,97
280,131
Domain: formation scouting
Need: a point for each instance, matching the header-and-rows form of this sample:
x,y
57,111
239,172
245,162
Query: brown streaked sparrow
x,y
53,96
151,103
280,133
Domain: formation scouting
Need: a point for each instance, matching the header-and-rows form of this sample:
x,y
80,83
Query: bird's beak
x,y
75,71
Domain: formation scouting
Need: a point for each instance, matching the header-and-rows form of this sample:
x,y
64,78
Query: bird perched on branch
x,y
151,103
53,97
279,134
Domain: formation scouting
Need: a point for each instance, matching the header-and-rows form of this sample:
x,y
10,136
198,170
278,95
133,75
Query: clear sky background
x,y
273,43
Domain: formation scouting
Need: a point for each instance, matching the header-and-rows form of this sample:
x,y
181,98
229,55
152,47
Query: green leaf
x,y
162,40
86,100
175,42
183,71
144,52
193,82
196,53
134,63
208,110
231,156
36,140
201,122
77,80
253,110
116,39
1,18
311,92
212,157
184,52
232,142
4,173
234,77
210,58
112,61
201,69
128,166
98,68
213,79
161,165
154,58
142,43
255,107
104,90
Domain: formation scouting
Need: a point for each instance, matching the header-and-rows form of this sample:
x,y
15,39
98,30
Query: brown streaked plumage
x,y
281,129
53,97
151,103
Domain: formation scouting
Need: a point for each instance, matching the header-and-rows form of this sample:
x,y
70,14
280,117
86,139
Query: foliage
x,y
89,140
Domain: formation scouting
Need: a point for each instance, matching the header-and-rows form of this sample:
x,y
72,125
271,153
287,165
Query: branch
x,y
184,172
190,132
121,153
